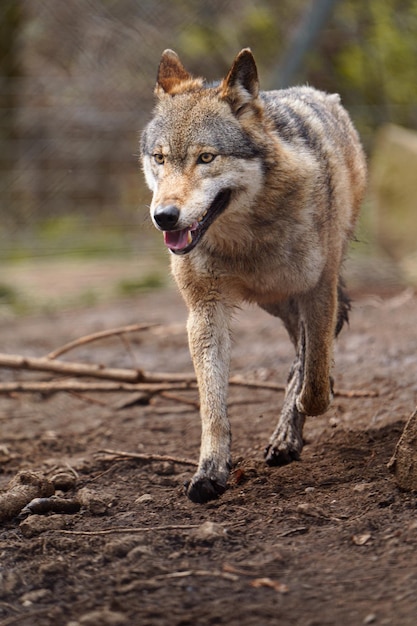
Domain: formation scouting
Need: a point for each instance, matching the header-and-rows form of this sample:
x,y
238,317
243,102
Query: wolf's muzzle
x,y
183,240
166,217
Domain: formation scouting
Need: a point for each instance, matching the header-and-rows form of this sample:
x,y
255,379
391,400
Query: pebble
x,y
36,525
64,481
36,595
143,499
103,618
208,532
95,504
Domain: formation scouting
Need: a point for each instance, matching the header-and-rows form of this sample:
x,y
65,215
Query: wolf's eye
x,y
159,158
206,157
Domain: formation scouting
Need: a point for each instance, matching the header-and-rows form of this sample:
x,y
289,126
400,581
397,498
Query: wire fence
x,y
76,87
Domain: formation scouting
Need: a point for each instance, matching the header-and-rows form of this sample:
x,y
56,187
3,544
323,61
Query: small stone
x,y
104,618
362,539
64,481
36,595
370,619
119,547
360,487
138,552
208,532
145,498
95,504
36,525
53,570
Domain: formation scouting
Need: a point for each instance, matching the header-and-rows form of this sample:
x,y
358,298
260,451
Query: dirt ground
x,y
328,540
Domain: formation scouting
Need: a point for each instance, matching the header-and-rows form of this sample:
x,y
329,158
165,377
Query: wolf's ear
x,y
241,84
171,72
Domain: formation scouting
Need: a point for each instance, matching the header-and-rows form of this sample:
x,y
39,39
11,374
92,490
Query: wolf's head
x,y
202,152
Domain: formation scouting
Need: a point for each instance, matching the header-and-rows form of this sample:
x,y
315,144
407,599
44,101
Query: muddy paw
x,y
274,456
203,489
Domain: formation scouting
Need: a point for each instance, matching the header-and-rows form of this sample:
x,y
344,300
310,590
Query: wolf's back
x,y
310,121
308,117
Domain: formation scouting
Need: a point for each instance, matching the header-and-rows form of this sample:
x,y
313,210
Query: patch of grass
x,y
11,299
149,282
72,236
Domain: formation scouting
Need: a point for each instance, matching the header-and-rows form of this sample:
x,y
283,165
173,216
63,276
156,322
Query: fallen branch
x,y
79,386
110,531
182,399
135,379
82,341
192,572
341,393
147,457
93,370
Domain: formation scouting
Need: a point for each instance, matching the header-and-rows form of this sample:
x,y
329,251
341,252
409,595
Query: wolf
x,y
257,194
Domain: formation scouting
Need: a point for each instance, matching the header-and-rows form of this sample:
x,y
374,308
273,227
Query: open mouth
x,y
184,240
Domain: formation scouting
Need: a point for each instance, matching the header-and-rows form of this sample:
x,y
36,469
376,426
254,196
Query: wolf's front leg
x,y
209,339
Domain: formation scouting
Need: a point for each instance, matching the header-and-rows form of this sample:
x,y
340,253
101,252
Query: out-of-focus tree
x,y
10,73
367,53
81,77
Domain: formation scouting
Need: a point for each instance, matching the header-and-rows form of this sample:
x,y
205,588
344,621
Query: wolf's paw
x,y
201,489
278,456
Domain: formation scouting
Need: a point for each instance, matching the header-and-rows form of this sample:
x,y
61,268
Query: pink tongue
x,y
176,239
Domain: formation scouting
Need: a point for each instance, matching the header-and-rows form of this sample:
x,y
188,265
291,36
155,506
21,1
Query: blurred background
x,y
76,83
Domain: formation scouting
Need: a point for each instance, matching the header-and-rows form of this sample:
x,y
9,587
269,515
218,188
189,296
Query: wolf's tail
x,y
343,308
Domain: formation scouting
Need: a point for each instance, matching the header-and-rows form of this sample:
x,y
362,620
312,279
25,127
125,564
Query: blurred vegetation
x,y
76,82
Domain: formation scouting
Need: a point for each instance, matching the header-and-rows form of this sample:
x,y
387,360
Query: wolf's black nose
x,y
166,216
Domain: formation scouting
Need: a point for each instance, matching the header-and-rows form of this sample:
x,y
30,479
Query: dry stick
x,y
72,369
124,375
15,619
80,386
88,399
93,370
148,381
193,572
148,457
151,387
176,398
353,393
110,531
81,341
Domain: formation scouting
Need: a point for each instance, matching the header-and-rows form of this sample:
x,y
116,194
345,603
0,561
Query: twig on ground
x,y
79,386
110,531
148,457
88,399
127,379
196,572
27,616
176,398
355,393
82,341
71,369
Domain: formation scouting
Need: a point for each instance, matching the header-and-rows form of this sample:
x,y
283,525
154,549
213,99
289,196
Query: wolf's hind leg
x,y
319,312
286,442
